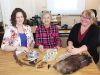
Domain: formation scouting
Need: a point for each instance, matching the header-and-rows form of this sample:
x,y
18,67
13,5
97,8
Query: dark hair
x,y
95,12
13,16
72,63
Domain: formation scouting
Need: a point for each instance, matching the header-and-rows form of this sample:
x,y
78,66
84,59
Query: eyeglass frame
x,y
85,17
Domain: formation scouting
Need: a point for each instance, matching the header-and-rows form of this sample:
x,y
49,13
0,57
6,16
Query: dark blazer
x,y
91,39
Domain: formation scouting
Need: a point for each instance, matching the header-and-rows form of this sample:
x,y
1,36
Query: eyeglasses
x,y
88,18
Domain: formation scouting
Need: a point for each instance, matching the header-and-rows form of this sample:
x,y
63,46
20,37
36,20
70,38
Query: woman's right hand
x,y
24,49
70,47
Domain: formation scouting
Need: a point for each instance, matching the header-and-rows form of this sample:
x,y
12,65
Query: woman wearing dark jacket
x,y
84,36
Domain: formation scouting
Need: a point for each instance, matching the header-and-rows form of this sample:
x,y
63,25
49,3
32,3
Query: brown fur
x,y
72,63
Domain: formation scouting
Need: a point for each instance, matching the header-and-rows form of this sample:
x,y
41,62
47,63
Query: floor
x,y
98,65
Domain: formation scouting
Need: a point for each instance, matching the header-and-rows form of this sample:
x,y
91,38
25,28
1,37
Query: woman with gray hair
x,y
47,35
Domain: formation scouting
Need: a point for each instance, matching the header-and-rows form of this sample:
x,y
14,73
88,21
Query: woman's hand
x,y
79,50
70,47
24,49
41,48
58,47
31,45
75,51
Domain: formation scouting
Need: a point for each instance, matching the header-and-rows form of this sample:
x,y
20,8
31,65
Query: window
x,y
66,7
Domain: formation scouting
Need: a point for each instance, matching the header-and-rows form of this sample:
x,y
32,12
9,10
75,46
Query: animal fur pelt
x,y
72,63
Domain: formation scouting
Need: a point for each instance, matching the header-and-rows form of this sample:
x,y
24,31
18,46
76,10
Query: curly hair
x,y
13,16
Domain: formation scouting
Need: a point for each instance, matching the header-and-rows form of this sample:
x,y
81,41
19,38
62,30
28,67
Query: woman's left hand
x,y
58,47
75,51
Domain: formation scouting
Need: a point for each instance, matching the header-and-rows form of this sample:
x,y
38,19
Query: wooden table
x,y
8,66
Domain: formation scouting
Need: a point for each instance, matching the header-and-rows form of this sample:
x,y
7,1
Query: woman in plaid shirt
x,y
47,35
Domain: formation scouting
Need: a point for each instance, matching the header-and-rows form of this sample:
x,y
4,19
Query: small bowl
x,y
32,55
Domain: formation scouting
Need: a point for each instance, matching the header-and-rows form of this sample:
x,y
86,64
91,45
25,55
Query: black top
x,y
98,23
91,39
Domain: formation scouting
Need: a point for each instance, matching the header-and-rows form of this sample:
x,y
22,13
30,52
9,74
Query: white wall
x,y
95,4
90,4
40,6
27,5
7,6
1,15
34,7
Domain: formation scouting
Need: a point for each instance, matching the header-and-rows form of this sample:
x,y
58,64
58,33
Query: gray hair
x,y
46,12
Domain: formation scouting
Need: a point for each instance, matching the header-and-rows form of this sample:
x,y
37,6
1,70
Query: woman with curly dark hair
x,y
18,36
13,16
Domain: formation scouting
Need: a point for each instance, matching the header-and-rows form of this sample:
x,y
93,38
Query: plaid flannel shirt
x,y
49,38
